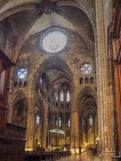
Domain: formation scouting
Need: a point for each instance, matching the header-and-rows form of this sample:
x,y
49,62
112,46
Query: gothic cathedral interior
x,y
60,79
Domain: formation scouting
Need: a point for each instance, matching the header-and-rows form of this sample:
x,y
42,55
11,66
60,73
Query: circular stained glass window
x,y
86,68
54,41
22,73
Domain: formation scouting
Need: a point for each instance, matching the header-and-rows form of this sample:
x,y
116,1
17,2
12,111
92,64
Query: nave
x,y
60,80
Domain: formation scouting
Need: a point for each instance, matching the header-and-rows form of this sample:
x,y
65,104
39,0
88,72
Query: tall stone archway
x,y
19,110
88,125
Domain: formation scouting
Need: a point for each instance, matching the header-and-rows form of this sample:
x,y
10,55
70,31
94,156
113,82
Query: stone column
x,y
10,113
104,108
64,126
74,125
44,129
2,36
111,85
53,120
30,124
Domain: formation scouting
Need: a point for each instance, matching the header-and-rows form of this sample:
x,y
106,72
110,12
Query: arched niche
x,y
87,119
39,114
19,114
52,63
59,79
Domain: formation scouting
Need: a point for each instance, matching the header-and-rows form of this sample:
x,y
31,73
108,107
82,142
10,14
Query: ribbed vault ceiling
x,y
56,73
25,17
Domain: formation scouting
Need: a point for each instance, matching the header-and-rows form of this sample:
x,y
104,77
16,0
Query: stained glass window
x,y
36,109
38,119
56,96
62,96
22,73
83,122
68,96
59,121
56,122
90,120
54,41
41,81
69,122
86,68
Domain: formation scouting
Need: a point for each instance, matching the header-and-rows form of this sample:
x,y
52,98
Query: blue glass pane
x,y
22,73
54,41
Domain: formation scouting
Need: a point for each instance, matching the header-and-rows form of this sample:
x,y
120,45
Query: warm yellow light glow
x,y
74,151
97,138
77,151
65,149
28,149
86,143
82,150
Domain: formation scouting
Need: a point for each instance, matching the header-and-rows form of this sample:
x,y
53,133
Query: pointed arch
x,y
18,95
53,62
19,109
87,98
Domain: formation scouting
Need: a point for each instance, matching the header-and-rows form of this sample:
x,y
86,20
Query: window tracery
x,y
81,80
83,122
86,80
38,118
68,96
22,73
90,120
86,68
69,122
41,81
60,123
62,96
91,80
56,96
54,41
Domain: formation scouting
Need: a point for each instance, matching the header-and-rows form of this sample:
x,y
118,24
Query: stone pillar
x,y
53,120
104,109
10,113
30,125
2,36
74,132
64,126
111,85
74,126
44,129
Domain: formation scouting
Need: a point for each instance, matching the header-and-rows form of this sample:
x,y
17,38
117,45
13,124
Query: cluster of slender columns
x,y
104,100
